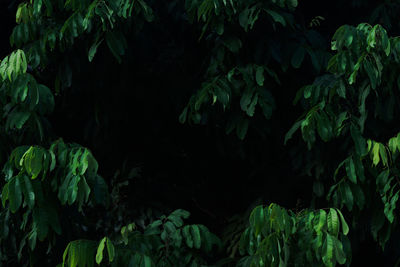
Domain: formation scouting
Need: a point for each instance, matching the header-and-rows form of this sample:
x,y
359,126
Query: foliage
x,y
347,104
277,237
247,61
164,242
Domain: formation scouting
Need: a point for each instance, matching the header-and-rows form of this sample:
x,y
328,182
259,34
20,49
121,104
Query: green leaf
x,y
4,194
100,248
17,118
80,253
93,50
183,116
377,222
341,89
46,97
347,196
241,128
266,102
292,3
350,170
359,196
372,73
383,155
345,227
333,222
276,17
33,160
393,144
40,220
28,191
328,251
382,179
298,57
324,126
375,153
188,237
115,42
14,193
84,162
359,141
248,17
233,44
339,253
321,221
196,236
110,250
292,130
318,188
37,6
170,228
260,75
257,219
180,213
99,190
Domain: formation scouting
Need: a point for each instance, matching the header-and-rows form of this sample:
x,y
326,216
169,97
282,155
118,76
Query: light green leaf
x,y
333,222
110,250
383,154
321,221
37,6
345,227
100,248
328,251
375,153
339,253
146,261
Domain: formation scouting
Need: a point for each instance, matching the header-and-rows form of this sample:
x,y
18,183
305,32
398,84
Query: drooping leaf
x,y
345,227
351,170
333,222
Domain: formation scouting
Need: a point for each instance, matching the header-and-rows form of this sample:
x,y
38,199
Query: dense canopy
x,y
199,133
